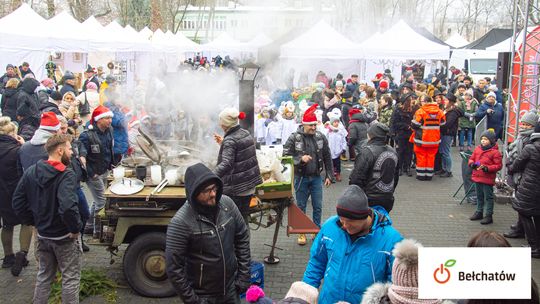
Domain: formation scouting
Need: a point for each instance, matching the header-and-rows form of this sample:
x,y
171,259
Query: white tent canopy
x,y
146,33
401,42
456,41
309,45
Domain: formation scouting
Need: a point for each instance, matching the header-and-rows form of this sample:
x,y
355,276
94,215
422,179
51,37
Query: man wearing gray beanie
x,y
375,169
527,123
359,239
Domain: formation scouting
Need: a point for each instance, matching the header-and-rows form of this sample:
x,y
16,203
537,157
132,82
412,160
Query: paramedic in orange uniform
x,y
426,136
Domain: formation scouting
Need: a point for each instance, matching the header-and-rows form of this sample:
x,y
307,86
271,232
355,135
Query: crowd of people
x,y
54,137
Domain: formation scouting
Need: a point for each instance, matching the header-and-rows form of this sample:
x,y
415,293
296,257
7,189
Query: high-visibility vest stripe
x,y
421,142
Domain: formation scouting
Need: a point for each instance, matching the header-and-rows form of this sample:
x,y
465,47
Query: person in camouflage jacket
x,y
385,109
466,123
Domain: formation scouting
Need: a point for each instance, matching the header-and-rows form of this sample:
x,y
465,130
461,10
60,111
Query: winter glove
x,y
475,165
468,115
241,286
485,169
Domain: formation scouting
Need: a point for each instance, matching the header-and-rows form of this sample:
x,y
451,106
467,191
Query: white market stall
x,y
321,48
399,44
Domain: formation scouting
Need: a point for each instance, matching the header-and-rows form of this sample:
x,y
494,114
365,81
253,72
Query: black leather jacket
x,y
316,146
237,162
375,171
207,249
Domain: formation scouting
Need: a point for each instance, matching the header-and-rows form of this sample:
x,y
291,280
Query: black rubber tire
x,y
134,271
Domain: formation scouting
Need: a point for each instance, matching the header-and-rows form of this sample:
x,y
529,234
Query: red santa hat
x,y
383,84
101,112
309,116
49,122
379,75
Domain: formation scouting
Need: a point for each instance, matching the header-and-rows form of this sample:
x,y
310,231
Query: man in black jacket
x,y
90,75
375,169
207,250
46,197
237,164
311,154
96,155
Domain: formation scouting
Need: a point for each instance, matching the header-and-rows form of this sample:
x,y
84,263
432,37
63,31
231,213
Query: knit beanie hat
x,y
404,288
490,135
229,117
101,112
9,66
309,117
491,94
49,122
531,118
256,295
378,130
302,291
91,86
353,204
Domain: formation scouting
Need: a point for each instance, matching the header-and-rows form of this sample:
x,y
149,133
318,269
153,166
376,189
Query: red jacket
x,y
490,158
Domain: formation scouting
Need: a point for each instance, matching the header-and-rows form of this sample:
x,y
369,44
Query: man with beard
x,y
46,197
207,248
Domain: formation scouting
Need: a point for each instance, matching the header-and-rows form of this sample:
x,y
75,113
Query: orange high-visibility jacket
x,y
426,126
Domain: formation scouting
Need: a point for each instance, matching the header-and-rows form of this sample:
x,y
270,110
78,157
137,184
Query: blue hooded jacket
x,y
120,133
349,268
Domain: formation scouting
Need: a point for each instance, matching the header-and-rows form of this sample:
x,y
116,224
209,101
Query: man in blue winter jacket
x,y
353,249
494,112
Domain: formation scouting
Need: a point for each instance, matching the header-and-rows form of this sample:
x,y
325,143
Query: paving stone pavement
x,y
424,211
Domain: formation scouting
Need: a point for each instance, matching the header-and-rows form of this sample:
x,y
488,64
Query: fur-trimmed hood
x,y
378,294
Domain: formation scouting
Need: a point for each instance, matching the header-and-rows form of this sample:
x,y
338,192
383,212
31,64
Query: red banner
x,y
529,83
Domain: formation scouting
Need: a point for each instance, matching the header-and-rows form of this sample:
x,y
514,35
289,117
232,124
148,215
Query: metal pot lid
x,y
148,146
126,186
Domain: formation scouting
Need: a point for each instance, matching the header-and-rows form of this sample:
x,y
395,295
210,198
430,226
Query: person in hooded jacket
x,y
237,161
28,108
376,168
485,161
400,130
10,173
527,124
8,104
527,194
356,239
346,106
426,136
448,133
358,126
207,248
46,197
120,133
